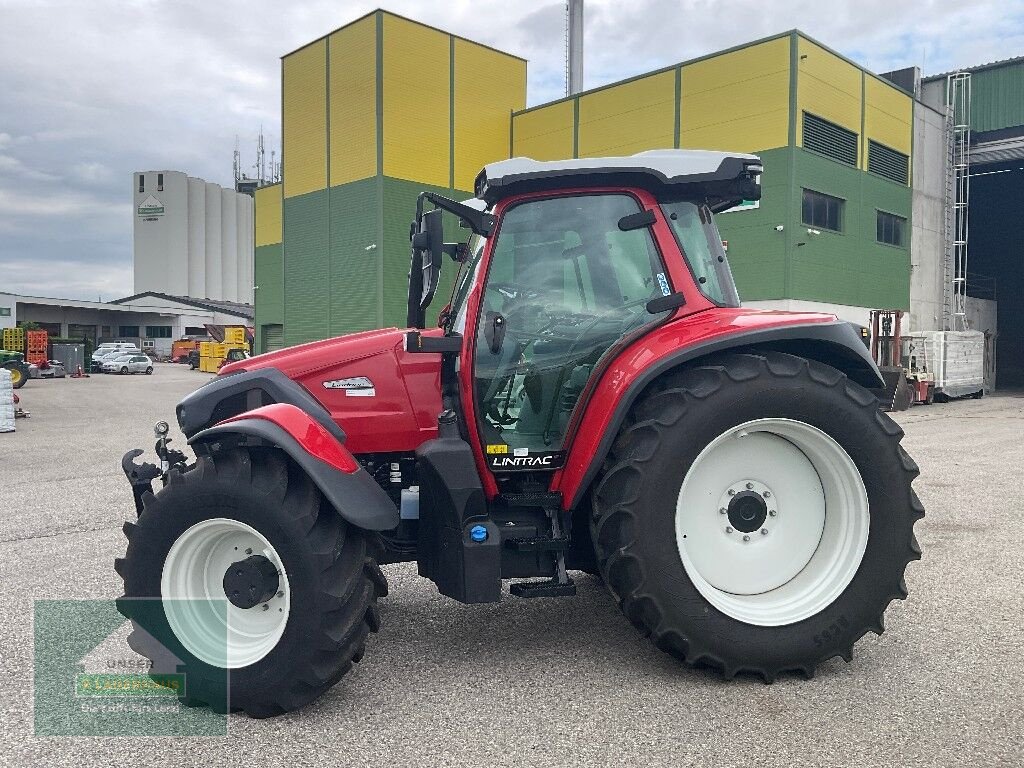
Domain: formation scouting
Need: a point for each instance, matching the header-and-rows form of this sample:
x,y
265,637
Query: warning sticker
x,y
500,448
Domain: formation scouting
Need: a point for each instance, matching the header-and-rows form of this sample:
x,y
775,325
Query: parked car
x,y
102,355
137,363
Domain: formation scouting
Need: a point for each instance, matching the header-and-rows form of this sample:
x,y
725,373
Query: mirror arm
x,y
481,223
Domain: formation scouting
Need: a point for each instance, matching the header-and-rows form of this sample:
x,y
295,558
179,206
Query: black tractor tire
x,y
334,581
19,373
635,509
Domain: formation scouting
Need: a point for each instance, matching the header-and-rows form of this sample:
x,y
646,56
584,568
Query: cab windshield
x,y
701,244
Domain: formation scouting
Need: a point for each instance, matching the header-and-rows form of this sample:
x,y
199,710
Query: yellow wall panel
x,y
417,102
488,86
628,118
737,101
304,119
353,102
268,215
545,133
827,86
888,115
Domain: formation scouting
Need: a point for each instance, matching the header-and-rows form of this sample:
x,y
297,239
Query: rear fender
x,y
834,343
335,472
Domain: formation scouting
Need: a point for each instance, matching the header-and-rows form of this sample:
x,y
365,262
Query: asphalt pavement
x,y
551,682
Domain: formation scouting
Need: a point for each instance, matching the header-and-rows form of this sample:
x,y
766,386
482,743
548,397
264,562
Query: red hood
x,y
397,414
317,355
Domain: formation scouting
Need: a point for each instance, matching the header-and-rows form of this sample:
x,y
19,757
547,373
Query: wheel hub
x,y
252,581
747,511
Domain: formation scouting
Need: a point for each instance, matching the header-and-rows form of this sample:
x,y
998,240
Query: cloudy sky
x,y
91,91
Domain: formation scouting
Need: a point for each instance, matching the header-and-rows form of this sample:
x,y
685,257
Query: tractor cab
x,y
569,259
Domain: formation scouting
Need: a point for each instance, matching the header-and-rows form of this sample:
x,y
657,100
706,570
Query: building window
x,y
142,182
158,331
5,311
195,330
822,211
830,140
888,163
891,229
128,331
159,182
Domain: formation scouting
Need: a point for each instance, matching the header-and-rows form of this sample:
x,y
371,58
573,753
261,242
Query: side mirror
x,y
427,238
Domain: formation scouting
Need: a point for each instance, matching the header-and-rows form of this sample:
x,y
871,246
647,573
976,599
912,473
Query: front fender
x,y
334,471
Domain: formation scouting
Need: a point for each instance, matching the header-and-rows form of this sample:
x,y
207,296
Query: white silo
x,y
196,238
229,245
214,283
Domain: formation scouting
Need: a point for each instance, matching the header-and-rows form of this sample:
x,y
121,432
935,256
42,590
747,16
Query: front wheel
x,y
149,371
241,573
757,515
124,371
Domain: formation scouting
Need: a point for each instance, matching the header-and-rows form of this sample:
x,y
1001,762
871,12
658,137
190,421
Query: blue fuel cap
x,y
478,533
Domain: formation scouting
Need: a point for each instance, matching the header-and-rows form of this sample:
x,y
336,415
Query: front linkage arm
x,y
141,476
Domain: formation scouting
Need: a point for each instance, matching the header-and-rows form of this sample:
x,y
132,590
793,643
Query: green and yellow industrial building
x,y
386,107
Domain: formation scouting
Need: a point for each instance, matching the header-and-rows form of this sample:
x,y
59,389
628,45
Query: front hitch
x,y
141,476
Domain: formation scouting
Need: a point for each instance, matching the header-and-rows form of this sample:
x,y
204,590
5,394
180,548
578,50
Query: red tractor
x,y
593,399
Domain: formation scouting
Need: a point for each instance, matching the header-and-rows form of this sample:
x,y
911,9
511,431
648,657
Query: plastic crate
x,y
14,339
234,335
35,346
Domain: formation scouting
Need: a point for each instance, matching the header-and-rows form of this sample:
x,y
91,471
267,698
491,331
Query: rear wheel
x,y
264,594
19,373
757,515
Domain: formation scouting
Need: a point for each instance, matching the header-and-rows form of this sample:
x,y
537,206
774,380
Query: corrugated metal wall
x,y
997,97
382,109
268,267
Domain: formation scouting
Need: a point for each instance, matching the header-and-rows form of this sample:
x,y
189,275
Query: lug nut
x,y
750,486
722,510
280,594
764,531
248,551
728,529
767,494
732,492
772,513
746,538
266,607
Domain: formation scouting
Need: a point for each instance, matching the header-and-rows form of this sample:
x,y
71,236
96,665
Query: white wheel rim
x,y
814,532
192,587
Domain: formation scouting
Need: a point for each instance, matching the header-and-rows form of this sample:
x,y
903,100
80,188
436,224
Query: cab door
x,y
565,282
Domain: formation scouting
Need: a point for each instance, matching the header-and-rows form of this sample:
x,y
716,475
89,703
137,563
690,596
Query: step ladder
x,y
556,544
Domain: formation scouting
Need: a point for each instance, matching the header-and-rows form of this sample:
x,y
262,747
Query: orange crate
x,y
35,346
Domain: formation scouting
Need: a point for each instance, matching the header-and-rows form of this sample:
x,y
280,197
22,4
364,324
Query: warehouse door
x,y
273,338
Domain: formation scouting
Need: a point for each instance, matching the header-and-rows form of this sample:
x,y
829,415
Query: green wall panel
x,y
757,253
307,269
848,267
399,208
268,271
997,97
354,270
